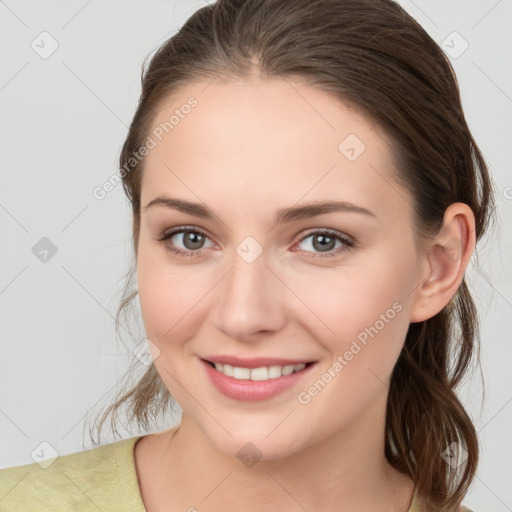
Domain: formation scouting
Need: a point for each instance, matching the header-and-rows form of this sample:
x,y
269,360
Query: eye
x,y
324,241
192,239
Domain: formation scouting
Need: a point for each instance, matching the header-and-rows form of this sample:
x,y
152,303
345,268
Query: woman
x,y
306,198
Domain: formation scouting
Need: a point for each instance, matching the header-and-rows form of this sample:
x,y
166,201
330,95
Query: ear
x,y
444,262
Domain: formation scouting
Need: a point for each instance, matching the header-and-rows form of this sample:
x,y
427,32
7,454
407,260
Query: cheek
x,y
172,305
363,327
361,314
157,302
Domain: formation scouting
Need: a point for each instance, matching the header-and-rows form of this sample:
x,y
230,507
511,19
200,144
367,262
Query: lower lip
x,y
248,390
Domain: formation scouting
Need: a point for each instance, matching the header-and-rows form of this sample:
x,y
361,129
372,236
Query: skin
x,y
249,148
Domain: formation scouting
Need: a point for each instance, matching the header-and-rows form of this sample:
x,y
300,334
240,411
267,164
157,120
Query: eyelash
x,y
348,244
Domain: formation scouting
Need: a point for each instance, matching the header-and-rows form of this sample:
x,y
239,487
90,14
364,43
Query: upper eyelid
x,y
181,229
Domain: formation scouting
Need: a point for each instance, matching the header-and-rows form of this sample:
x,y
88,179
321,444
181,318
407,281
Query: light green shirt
x,y
101,478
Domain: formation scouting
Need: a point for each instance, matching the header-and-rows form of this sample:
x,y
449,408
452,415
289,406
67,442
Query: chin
x,y
251,442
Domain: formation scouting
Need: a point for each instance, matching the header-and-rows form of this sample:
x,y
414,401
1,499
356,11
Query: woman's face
x,y
251,283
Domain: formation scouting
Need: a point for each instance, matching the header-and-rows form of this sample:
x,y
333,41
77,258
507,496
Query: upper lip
x,y
255,362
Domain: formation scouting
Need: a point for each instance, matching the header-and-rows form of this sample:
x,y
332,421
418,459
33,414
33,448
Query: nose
x,y
249,300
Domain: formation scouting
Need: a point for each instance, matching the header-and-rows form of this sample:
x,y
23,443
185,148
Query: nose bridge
x,y
248,299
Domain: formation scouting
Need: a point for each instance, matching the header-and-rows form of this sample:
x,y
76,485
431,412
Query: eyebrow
x,y
283,215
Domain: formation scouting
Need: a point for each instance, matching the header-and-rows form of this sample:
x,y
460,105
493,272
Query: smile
x,y
262,373
260,383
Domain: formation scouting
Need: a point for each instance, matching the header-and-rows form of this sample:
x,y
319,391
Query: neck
x,y
344,472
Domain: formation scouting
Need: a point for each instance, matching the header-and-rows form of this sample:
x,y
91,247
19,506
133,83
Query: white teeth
x,y
226,370
241,373
262,373
259,373
287,369
274,372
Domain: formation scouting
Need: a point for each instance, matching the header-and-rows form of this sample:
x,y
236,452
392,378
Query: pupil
x,y
323,246
194,238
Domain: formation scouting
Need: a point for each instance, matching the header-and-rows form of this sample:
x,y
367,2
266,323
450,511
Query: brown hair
x,y
375,57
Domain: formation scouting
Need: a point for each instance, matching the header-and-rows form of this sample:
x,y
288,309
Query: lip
x,y
253,390
255,362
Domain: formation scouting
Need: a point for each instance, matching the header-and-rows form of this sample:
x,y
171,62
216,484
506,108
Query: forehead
x,y
267,143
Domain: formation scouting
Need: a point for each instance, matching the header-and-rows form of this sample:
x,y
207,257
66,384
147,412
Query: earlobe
x,y
446,258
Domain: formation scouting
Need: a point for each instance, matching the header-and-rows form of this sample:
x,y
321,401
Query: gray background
x,y
63,120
